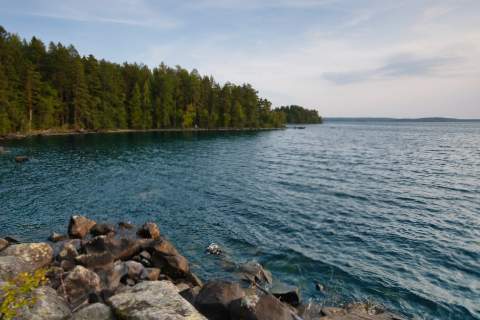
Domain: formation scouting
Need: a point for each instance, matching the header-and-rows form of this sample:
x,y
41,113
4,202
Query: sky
x,y
358,58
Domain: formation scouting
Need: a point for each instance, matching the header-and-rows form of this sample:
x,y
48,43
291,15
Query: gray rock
x,y
24,257
79,226
253,272
48,306
96,311
153,300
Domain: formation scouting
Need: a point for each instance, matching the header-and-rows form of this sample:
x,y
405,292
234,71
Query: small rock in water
x,y
214,249
320,287
20,159
125,225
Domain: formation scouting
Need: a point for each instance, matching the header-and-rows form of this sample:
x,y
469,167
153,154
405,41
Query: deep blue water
x,y
373,210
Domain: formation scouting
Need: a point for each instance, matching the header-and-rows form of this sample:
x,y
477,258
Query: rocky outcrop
x,y
215,297
95,311
153,300
80,226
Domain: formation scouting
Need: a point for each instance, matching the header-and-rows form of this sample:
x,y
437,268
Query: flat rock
x,y
153,300
79,226
49,306
214,299
95,311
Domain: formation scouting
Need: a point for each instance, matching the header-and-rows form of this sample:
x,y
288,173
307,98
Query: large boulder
x,y
149,231
79,283
152,300
48,306
166,257
215,297
80,226
95,311
25,257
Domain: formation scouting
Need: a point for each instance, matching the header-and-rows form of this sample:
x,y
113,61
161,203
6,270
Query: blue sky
x,y
409,58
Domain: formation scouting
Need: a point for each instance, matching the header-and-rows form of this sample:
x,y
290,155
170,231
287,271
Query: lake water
x,y
383,211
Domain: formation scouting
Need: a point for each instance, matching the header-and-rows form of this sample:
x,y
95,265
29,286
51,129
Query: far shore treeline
x,y
57,88
299,115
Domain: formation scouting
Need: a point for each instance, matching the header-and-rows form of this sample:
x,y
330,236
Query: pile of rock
x,y
103,271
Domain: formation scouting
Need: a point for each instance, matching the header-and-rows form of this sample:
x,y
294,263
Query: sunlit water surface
x,y
377,210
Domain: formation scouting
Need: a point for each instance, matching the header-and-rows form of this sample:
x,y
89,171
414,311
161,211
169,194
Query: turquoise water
x,y
379,210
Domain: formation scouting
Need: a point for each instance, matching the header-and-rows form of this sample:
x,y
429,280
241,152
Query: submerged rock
x,y
153,300
214,299
286,293
20,159
79,226
253,272
214,249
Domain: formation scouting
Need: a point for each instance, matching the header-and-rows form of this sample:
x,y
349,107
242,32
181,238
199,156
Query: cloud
x,y
400,65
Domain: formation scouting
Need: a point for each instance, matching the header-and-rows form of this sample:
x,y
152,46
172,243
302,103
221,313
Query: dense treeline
x,y
55,87
298,114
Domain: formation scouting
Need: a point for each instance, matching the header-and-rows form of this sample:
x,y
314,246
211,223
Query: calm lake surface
x,y
379,210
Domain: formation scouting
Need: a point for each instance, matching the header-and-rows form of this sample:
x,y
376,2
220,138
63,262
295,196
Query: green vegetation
x,y
56,88
18,293
298,114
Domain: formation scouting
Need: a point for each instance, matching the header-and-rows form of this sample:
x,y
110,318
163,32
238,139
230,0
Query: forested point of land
x,y
56,88
297,115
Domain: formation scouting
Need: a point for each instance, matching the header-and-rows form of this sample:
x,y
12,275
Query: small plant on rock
x,y
18,293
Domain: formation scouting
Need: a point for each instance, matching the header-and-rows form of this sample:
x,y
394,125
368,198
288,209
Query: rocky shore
x,y
103,271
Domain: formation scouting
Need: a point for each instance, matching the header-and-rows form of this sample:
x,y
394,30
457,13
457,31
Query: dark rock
x,y
3,244
126,225
96,260
320,287
56,237
102,229
68,252
121,249
253,272
286,293
79,284
167,258
149,231
12,240
79,226
266,307
94,297
96,311
145,255
111,278
190,294
214,299
20,159
194,280
55,276
67,265
151,274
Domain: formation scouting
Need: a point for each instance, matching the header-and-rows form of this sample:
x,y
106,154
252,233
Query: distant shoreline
x,y
385,119
72,132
